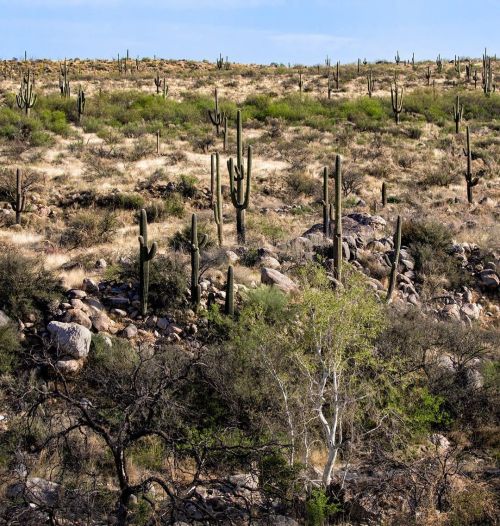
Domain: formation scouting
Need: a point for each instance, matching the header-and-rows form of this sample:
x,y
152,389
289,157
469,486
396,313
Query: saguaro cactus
x,y
337,235
469,179
217,117
397,58
158,82
384,194
301,83
229,302
217,202
428,75
20,203
439,64
330,86
165,88
196,244
26,98
80,103
146,254
397,94
326,204
395,261
371,83
458,111
64,86
336,75
240,195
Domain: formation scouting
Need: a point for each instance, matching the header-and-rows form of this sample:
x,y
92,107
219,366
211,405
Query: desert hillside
x,y
245,294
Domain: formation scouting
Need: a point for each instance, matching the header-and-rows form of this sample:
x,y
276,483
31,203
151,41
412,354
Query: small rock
x,y
270,262
232,257
489,278
471,310
130,331
4,319
69,366
162,324
101,263
77,294
90,286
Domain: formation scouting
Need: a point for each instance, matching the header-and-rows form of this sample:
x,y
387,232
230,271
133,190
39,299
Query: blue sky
x,y
252,31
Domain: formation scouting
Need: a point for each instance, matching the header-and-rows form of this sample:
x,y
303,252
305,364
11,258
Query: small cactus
x,y
229,302
146,254
196,244
395,261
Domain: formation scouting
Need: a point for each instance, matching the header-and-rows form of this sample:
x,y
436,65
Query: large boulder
x,y
272,277
70,338
489,279
38,491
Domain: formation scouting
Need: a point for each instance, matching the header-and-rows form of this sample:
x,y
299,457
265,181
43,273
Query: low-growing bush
x,y
88,228
9,348
25,286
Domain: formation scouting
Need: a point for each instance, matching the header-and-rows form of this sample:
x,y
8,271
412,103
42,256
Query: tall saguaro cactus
x,y
458,111
384,194
146,254
217,198
80,103
397,94
371,83
395,261
196,244
158,82
326,204
216,116
64,86
20,203
229,302
337,234
26,98
469,179
239,181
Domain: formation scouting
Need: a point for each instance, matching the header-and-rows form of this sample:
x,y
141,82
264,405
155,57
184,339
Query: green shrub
x,y
9,348
88,228
25,286
319,508
167,283
121,200
181,240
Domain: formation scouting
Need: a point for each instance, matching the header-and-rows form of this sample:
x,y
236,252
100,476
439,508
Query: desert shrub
x,y
429,243
171,206
319,508
9,348
187,186
352,182
25,286
473,506
181,240
112,354
30,182
121,200
167,283
87,228
301,183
